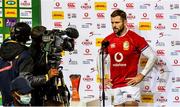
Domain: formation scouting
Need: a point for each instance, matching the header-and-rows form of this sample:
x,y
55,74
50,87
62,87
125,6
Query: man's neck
x,y
123,32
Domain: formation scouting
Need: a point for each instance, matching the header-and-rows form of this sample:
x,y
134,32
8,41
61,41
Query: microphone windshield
x,y
72,32
105,44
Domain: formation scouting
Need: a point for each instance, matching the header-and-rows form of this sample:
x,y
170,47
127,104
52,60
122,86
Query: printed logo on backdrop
x,y
145,16
85,6
161,88
28,21
1,38
129,5
25,13
87,52
100,15
91,34
10,12
148,78
162,99
86,42
71,15
88,88
144,6
1,12
101,25
175,43
114,6
175,53
86,16
175,80
71,25
160,26
58,24
161,80
145,26
0,3
159,43
130,16
57,5
175,90
146,88
58,15
10,3
89,96
25,3
9,22
131,26
88,61
176,99
158,7
88,78
86,25
174,26
174,6
72,62
100,5
159,15
71,5
160,52
1,22
98,41
174,16
176,62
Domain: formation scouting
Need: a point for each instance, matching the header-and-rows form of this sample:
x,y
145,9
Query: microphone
x,y
72,32
105,44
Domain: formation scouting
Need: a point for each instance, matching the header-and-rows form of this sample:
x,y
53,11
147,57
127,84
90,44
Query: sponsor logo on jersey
x,y
126,45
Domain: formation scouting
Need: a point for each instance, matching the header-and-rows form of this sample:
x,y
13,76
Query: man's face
x,y
117,24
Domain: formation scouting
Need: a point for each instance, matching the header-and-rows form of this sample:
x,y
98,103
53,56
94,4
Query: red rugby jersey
x,y
124,54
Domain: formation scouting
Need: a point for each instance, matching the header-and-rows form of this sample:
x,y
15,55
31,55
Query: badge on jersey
x,y
113,45
125,45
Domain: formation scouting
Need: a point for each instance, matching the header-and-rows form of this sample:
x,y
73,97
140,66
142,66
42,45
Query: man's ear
x,y
15,94
125,22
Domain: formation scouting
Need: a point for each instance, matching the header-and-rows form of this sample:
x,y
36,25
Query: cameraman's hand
x,y
52,73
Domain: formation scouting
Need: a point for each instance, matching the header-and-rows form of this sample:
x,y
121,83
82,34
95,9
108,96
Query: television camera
x,y
53,43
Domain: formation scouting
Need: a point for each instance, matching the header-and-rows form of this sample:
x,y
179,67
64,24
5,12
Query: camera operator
x,y
14,52
21,91
45,50
40,66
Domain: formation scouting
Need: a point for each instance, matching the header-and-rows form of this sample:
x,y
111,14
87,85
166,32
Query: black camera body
x,y
54,42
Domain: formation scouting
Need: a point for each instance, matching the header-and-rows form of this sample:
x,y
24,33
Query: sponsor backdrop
x,y
158,21
12,11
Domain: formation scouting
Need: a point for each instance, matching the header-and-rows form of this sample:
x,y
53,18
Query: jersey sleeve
x,y
140,42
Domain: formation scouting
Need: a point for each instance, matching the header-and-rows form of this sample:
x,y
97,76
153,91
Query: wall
x,y
156,20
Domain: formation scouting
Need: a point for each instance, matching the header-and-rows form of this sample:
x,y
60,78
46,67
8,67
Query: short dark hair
x,y
120,13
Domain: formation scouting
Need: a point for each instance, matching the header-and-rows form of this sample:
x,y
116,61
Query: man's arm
x,y
148,52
